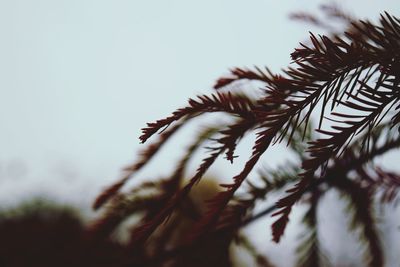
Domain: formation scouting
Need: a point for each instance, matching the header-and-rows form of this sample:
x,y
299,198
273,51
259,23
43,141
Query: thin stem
x,y
345,167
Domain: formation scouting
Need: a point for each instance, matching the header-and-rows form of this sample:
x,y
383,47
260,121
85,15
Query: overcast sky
x,y
79,79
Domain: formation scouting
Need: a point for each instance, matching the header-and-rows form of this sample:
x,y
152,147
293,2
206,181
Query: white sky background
x,y
79,79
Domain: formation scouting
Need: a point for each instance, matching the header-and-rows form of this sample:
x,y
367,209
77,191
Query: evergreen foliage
x,y
347,83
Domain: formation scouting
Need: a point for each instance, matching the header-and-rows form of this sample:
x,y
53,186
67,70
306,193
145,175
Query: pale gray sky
x,y
79,78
